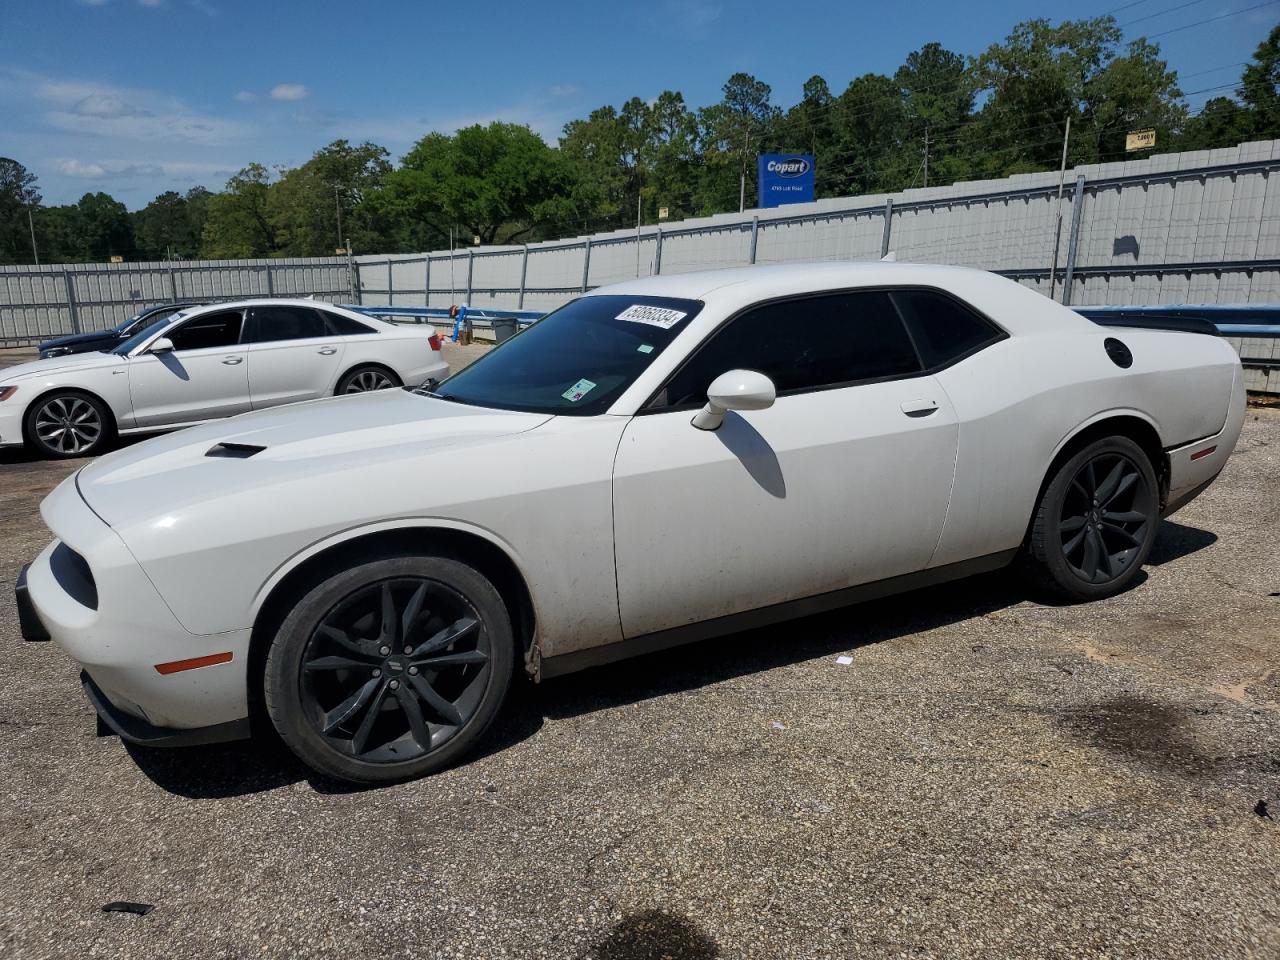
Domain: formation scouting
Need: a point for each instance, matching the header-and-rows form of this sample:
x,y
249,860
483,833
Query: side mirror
x,y
735,390
161,345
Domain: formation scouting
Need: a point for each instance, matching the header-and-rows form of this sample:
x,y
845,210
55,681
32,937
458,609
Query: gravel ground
x,y
990,777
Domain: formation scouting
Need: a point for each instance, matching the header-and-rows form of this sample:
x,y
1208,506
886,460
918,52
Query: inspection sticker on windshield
x,y
578,391
654,316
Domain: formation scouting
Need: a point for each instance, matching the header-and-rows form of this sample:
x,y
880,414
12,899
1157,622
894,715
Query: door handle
x,y
232,361
327,351
919,407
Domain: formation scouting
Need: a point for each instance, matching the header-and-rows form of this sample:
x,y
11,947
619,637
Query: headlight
x,y
7,392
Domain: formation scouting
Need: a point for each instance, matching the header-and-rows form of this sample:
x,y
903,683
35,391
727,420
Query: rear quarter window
x,y
944,329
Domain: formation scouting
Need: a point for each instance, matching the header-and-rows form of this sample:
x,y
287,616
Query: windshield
x,y
124,327
125,346
575,361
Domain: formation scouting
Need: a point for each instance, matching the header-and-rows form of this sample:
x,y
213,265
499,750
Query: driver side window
x,y
813,343
208,331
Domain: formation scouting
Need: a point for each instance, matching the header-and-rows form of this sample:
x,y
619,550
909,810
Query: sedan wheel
x,y
366,379
390,670
68,425
1096,521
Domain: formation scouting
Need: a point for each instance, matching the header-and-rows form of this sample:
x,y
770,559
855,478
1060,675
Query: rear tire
x,y
390,670
1095,523
67,423
366,379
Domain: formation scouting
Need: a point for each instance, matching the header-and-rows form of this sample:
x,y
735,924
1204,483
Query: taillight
x,y
434,340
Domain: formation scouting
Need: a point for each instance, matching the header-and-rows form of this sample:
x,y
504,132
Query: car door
x,y
844,480
204,377
293,354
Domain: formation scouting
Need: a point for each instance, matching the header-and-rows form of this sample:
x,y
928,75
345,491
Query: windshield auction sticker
x,y
578,391
654,316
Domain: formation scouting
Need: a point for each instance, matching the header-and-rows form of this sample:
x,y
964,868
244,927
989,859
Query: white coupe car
x,y
206,363
655,462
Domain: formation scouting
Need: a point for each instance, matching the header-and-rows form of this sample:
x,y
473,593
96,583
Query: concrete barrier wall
x,y
1199,227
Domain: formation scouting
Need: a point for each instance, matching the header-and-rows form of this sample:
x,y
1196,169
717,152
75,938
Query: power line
x,y
1160,13
1221,16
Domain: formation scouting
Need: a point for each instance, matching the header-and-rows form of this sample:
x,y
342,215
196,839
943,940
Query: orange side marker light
x,y
177,666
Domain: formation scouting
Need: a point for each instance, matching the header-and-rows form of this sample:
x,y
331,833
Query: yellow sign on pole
x,y
116,258
1140,140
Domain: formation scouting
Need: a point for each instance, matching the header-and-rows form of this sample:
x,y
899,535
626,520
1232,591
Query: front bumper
x,y
28,620
139,731
123,629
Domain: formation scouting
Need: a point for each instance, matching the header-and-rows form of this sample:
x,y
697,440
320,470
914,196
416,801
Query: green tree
x,y
164,229
732,134
306,203
18,196
1043,74
104,228
238,224
937,92
869,152
501,183
1260,87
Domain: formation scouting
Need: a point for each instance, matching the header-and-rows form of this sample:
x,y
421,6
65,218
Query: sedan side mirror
x,y
735,390
161,345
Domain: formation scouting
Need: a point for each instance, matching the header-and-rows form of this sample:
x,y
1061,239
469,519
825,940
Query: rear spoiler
x,y
1150,320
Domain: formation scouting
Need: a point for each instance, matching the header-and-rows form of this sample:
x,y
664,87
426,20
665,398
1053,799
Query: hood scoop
x,y
234,451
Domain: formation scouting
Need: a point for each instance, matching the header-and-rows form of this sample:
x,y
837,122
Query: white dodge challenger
x,y
655,462
205,363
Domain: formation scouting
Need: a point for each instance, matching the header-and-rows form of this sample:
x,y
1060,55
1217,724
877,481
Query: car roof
x,y
1018,309
765,280
287,302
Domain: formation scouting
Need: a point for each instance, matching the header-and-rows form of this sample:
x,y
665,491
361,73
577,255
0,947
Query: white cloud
x,y
121,170
288,91
245,96
93,3
75,168
563,90
133,114
151,3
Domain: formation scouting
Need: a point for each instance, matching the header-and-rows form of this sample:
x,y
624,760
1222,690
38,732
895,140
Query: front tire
x,y
1095,523
67,424
390,670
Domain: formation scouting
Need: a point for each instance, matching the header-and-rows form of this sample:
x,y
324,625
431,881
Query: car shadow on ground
x,y
23,456
239,769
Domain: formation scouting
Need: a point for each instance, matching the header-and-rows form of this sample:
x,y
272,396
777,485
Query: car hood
x,y
56,365
75,339
317,441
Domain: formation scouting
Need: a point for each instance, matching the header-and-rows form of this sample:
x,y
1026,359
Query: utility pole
x,y
1057,230
337,203
32,224
638,195
742,178
926,156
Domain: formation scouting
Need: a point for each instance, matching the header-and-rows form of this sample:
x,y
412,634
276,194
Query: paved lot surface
x,y
989,778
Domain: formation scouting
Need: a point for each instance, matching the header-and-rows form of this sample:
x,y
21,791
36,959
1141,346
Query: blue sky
x,y
139,96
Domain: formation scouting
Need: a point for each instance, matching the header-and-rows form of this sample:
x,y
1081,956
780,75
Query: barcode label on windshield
x,y
654,316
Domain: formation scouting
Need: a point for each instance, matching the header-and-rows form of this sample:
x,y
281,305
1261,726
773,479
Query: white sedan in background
x,y
656,462
207,363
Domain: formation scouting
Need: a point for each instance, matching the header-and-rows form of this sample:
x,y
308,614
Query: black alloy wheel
x,y
390,670
1104,519
1096,521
